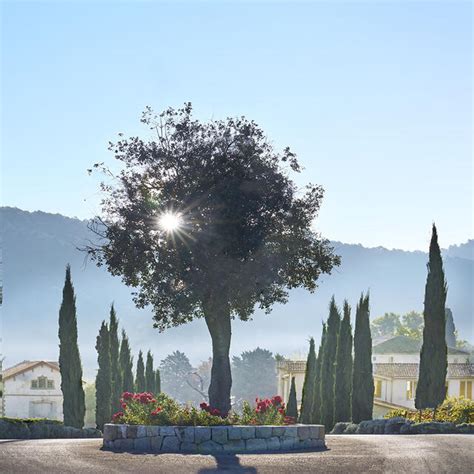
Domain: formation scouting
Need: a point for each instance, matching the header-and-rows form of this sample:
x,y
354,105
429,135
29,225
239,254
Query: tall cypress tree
x,y
308,386
317,382
328,366
149,374
157,382
431,389
103,381
140,382
362,377
292,405
343,377
116,373
74,406
126,364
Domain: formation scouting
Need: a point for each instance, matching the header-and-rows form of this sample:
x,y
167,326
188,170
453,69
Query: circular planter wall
x,y
215,439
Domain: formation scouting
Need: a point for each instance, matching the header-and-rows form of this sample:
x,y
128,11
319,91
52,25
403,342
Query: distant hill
x,y
37,246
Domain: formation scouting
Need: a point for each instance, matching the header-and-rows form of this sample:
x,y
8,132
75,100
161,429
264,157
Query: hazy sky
x,y
375,98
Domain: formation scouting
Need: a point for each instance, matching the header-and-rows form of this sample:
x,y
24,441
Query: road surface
x,y
345,454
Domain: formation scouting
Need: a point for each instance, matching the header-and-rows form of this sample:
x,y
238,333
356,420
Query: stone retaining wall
x,y
215,439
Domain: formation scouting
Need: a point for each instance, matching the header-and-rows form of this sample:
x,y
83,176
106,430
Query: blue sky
x,y
375,98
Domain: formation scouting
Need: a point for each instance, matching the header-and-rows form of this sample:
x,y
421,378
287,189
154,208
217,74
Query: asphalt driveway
x,y
345,454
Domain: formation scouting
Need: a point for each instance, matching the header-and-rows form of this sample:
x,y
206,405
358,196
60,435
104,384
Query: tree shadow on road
x,y
228,463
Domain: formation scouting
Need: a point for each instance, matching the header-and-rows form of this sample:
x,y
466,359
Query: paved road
x,y
345,454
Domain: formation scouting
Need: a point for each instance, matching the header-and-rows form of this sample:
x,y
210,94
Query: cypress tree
x,y
362,377
450,329
103,381
343,376
431,389
126,364
140,382
157,382
317,382
74,406
308,386
149,374
115,372
327,366
292,405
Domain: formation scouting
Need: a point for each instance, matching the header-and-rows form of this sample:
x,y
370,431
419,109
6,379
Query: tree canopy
x,y
244,232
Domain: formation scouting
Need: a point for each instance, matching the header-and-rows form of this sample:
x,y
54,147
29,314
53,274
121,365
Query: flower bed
x,y
159,424
161,410
212,439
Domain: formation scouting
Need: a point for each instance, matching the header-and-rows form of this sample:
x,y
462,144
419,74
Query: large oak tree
x,y
245,234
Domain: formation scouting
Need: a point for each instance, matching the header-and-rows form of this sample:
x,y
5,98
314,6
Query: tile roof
x,y
406,345
410,371
27,365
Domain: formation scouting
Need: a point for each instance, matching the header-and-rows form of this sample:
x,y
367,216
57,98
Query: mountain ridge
x,y
38,245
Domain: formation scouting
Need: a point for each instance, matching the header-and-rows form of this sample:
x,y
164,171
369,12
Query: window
x,y
465,389
411,389
378,389
42,383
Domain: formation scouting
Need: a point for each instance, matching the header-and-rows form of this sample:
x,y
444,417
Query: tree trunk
x,y
217,315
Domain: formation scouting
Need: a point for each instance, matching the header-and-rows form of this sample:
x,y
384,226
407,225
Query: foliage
x,y
246,235
157,381
454,410
148,409
362,377
253,374
126,364
316,416
115,370
343,369
103,381
307,398
386,325
140,381
150,383
431,387
450,329
177,378
328,366
89,392
69,358
292,405
391,324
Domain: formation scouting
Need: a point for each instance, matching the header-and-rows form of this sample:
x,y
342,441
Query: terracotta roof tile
x,y
410,371
27,365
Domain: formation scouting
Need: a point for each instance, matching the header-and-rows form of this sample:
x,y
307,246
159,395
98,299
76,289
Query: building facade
x,y
32,389
395,367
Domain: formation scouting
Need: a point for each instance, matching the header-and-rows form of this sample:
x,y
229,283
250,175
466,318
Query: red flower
x,y
215,412
117,416
281,411
124,405
204,406
127,395
277,400
156,411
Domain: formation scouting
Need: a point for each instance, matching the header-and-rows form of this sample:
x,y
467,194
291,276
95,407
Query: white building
x,y
395,367
32,389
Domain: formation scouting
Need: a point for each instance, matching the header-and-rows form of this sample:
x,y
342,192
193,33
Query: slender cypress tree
x,y
103,381
115,372
343,377
149,374
74,407
126,364
292,405
431,389
140,382
317,382
157,382
328,365
362,377
308,386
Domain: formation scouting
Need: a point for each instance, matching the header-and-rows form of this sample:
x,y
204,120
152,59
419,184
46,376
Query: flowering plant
x,y
147,409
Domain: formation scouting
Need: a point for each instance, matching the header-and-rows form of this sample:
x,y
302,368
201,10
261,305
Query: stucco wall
x,y
21,401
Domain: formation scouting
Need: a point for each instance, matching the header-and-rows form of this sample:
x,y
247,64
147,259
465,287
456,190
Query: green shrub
x,y
454,410
147,409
